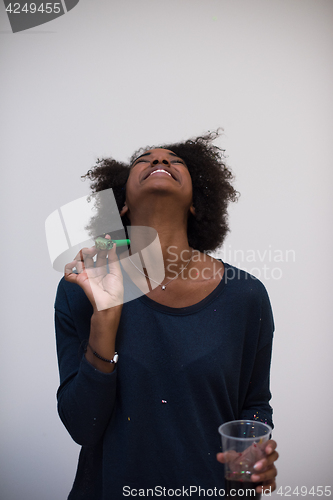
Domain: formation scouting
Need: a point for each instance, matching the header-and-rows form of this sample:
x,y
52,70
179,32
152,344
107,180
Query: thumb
x,y
220,458
69,275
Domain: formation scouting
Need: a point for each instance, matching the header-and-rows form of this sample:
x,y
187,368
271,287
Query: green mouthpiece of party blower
x,y
106,244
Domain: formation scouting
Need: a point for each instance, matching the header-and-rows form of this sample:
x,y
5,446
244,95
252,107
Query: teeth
x,y
160,170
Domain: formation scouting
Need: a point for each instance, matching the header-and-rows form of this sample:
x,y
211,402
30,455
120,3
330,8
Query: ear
x,y
192,210
124,210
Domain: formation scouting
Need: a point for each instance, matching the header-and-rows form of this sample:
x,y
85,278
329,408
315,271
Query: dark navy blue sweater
x,y
152,423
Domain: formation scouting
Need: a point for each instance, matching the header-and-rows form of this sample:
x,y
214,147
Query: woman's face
x,y
159,171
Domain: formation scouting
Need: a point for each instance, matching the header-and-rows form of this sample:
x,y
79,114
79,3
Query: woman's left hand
x,y
265,468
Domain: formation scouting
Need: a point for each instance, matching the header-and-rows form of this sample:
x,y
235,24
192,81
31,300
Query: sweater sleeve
x,y
86,396
256,405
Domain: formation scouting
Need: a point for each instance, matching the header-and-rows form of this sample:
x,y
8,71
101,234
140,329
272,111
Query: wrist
x,y
106,316
103,331
98,356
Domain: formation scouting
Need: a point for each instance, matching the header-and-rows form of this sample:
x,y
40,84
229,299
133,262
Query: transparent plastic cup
x,y
243,443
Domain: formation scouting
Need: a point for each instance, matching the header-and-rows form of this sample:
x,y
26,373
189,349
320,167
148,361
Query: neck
x,y
176,251
170,223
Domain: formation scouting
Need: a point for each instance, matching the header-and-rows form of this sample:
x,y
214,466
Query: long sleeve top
x,y
152,423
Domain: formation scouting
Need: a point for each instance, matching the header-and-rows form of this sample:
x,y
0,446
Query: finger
x,y
79,266
267,475
85,257
69,273
228,456
112,254
267,487
86,252
113,261
266,462
270,446
102,255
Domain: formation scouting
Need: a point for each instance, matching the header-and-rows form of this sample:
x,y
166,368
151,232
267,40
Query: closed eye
x,y
139,161
146,160
179,161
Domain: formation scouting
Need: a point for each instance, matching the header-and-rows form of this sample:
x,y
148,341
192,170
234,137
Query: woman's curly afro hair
x,y
211,180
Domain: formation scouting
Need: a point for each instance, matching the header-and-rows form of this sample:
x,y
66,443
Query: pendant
x,y
163,287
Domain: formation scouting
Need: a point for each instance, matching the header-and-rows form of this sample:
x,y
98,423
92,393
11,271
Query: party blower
x,y
106,244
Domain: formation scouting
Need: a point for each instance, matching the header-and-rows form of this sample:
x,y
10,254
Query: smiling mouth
x,y
161,171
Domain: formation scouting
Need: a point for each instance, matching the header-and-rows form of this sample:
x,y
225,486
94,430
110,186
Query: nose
x,y
160,160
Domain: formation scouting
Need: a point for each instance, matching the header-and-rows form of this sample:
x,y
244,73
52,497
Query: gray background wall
x,y
111,76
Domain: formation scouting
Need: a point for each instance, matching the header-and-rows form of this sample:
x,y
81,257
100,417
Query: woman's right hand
x,y
104,289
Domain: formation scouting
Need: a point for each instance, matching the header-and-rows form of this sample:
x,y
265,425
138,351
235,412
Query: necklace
x,y
151,279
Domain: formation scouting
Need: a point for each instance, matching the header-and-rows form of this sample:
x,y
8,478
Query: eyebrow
x,y
145,154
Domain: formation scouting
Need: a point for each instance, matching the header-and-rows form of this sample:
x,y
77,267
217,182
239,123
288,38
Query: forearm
x,y
102,338
256,404
87,392
86,402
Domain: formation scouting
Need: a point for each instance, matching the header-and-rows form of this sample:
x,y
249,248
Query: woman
x,y
194,351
